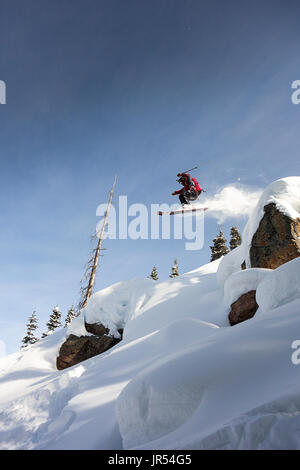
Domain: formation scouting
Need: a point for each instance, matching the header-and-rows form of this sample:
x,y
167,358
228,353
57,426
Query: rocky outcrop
x,y
243,308
96,329
79,348
276,241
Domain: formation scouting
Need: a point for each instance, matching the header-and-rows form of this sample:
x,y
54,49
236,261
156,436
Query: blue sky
x,y
141,89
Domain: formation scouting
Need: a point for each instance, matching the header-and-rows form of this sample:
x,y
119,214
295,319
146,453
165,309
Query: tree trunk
x,y
91,283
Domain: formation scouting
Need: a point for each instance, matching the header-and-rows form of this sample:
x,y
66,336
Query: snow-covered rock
x,y
284,194
242,282
113,306
240,293
271,238
100,324
78,349
279,287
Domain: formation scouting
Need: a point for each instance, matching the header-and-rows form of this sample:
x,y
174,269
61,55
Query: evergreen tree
x,y
32,325
70,316
235,239
154,274
175,271
54,321
219,247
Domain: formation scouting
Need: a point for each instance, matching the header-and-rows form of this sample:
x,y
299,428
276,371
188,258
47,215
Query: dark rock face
x,y
79,348
243,308
96,329
276,240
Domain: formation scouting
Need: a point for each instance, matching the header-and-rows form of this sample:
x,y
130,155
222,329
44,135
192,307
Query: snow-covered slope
x,y
41,407
180,400
181,377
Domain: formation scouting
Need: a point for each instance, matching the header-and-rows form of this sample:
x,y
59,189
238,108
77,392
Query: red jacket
x,y
189,183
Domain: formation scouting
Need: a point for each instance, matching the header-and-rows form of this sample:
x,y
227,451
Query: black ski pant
x,y
186,196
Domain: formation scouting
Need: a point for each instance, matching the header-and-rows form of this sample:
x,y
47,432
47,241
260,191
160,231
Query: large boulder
x,y
79,348
243,308
276,241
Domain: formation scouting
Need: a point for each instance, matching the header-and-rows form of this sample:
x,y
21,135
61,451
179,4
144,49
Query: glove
x,y
173,194
178,174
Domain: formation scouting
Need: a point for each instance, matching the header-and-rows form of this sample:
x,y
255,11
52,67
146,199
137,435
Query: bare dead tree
x,y
92,264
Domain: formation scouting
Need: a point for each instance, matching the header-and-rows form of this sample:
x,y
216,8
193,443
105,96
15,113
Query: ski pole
x,y
195,167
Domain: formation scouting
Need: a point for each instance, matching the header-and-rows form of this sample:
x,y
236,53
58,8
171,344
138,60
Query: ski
x,y
183,210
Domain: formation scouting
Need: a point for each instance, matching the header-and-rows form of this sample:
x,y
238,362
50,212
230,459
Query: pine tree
x,y
235,239
70,316
154,274
54,321
175,271
219,247
32,325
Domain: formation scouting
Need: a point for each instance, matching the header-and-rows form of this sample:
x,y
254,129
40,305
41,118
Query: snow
x,y
114,305
242,282
273,426
181,378
228,375
77,327
176,367
62,410
280,286
230,264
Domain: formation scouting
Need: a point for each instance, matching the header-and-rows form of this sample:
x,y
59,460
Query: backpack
x,y
196,185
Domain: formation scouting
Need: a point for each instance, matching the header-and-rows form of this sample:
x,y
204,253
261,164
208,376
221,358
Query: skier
x,y
190,191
